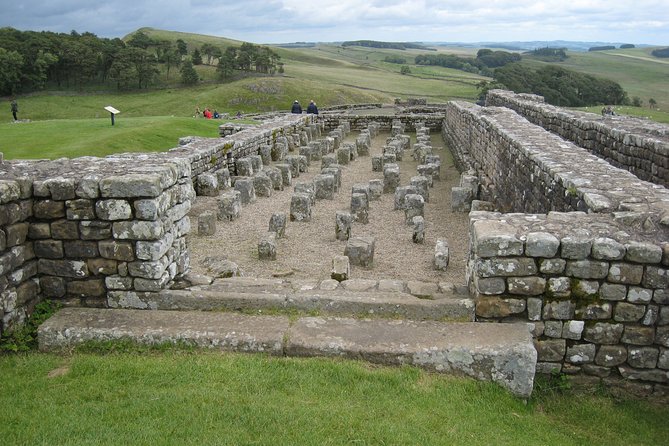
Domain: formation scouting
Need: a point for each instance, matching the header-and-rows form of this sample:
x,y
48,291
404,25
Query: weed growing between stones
x,y
24,338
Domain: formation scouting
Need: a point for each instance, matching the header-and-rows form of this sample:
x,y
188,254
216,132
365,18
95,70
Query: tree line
x,y
32,60
483,63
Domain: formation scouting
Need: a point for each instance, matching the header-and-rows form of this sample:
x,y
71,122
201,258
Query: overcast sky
x,y
274,21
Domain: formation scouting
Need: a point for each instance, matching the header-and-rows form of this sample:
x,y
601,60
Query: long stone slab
x,y
221,331
502,353
340,303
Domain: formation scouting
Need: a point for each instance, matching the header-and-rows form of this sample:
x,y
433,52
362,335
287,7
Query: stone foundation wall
x,y
89,231
637,145
361,122
593,278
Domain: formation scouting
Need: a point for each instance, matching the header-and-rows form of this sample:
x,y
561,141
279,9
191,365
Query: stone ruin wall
x,y
583,254
385,122
88,230
637,145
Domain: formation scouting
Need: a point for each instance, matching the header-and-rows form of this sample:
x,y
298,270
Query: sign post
x,y
112,111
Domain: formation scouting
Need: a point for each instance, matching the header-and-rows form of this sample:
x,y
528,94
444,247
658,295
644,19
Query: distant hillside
x,y
386,45
533,45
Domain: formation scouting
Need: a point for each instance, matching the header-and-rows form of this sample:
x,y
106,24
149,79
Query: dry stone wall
x,y
94,231
637,145
583,255
385,122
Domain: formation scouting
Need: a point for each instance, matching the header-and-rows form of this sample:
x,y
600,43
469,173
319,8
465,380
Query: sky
x,y
279,21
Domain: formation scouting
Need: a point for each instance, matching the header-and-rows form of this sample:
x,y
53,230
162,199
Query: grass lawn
x,y
96,137
205,398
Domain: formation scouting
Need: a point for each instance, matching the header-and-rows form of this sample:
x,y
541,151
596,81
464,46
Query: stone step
x,y
338,302
502,353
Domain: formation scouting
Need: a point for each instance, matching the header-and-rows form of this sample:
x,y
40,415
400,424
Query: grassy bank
x,y
201,398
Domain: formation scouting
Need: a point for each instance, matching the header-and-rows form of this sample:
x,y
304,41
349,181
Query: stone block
x,y
553,329
53,286
422,186
294,162
343,155
498,307
461,199
638,295
551,349
388,158
262,185
414,207
441,255
277,224
605,248
391,178
534,306
643,252
418,223
506,267
286,174
575,248
375,189
480,205
611,355
573,330
76,269
495,239
324,187
360,208
113,209
341,269
587,269
275,176
361,188
131,185
81,249
526,286
244,167
81,209
49,249
625,273
653,277
265,152
229,206
541,244
643,357
256,163
377,163
306,188
638,335
328,160
612,292
300,207
267,246
400,194
206,223
429,171
626,312
581,353
560,310
334,170
206,184
360,251
343,222
247,193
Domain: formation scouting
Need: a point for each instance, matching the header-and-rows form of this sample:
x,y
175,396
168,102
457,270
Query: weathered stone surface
x,y
526,286
206,184
221,267
300,207
306,188
625,273
336,171
229,206
541,244
63,268
573,330
286,174
267,246
581,353
375,189
659,376
136,230
80,209
262,185
655,277
551,349
638,335
461,199
343,222
400,194
275,176
414,207
506,267
441,255
244,167
625,312
391,178
223,177
277,224
247,193
607,249
587,269
360,207
52,286
494,238
603,333
418,223
561,310
552,266
611,355
206,223
497,307
341,269
115,250
212,330
643,357
594,311
507,349
643,252
360,251
559,286
575,248
131,185
638,295
49,249
422,186
76,249
324,187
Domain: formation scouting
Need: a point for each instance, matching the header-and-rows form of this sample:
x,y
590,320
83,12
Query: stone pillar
x,y
335,170
275,177
343,156
341,268
418,229
267,246
244,167
461,199
286,174
343,222
324,187
400,194
262,185
441,255
391,178
244,186
328,160
206,223
415,206
360,207
306,188
277,224
360,251
206,185
223,177
229,205
422,186
375,189
300,207
294,162
377,163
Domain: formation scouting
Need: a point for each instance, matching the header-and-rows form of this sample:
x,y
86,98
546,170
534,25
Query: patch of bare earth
x,y
309,247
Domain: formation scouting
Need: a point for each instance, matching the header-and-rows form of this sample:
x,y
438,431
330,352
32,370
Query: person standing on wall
x,y
297,108
311,108
15,109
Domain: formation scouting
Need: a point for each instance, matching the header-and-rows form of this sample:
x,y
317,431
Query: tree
x,y
171,58
637,101
188,74
10,75
182,48
209,50
405,70
652,103
140,40
196,57
226,63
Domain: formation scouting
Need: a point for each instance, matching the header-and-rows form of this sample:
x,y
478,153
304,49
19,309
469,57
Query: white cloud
x,y
641,21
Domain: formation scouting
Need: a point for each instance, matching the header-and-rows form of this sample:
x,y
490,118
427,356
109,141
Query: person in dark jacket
x,y
297,108
15,109
311,108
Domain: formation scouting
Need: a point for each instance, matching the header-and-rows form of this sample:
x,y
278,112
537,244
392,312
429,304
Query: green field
x,y
185,398
73,123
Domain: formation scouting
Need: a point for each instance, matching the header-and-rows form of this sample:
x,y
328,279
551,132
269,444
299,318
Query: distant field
x,y
76,124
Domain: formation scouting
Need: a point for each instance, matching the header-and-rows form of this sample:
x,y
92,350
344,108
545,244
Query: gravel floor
x,y
308,248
